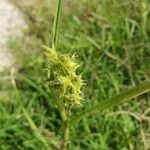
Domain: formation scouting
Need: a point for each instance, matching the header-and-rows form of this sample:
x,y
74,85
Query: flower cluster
x,y
62,77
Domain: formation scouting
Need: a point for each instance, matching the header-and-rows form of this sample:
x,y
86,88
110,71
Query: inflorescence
x,y
62,77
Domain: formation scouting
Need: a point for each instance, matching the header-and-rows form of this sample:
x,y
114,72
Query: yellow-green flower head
x,y
62,77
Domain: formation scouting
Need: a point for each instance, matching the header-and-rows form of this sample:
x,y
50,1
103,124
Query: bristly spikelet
x,y
62,77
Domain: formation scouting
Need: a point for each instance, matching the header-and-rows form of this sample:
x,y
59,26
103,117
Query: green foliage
x,y
111,39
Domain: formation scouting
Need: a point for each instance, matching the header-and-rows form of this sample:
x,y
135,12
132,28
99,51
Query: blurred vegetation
x,y
112,41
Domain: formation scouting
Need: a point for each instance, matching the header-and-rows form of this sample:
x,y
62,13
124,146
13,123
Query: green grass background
x,y
112,41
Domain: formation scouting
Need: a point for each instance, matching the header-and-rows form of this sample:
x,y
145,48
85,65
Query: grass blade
x,y
37,87
35,129
56,24
123,97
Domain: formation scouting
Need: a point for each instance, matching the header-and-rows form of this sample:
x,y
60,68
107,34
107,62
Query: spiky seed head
x,y
63,78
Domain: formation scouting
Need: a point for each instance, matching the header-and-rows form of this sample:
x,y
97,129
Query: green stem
x,y
65,123
65,135
60,107
61,110
56,24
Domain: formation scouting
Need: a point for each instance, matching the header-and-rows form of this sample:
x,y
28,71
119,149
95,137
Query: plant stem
x,y
64,117
61,110
56,24
65,135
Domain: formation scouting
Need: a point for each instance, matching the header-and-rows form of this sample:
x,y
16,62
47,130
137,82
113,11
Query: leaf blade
x,y
123,97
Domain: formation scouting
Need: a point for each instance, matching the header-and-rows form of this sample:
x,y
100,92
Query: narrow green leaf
x,y
123,97
56,24
37,87
35,129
